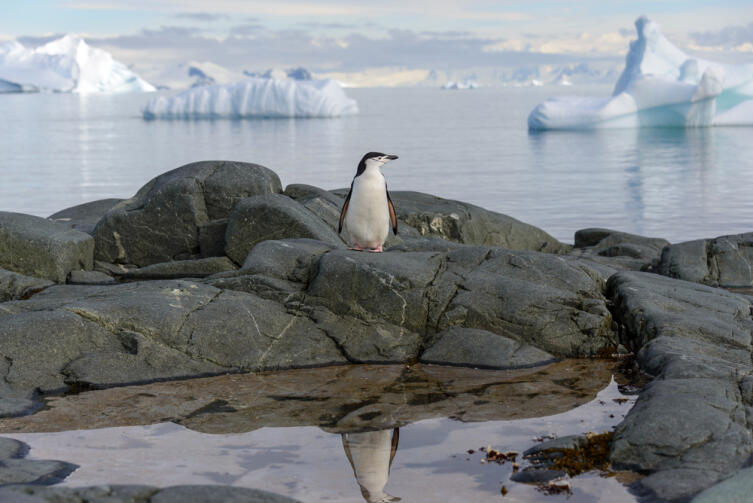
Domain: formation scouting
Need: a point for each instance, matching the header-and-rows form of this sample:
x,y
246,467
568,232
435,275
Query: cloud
x,y
34,41
612,43
202,16
244,30
328,26
729,36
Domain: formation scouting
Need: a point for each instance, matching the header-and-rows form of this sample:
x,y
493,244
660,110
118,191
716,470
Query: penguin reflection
x,y
370,454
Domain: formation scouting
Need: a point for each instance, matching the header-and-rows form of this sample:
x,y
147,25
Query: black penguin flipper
x,y
393,215
344,210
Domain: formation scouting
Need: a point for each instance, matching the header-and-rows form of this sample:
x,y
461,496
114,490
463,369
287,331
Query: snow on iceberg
x,y
67,64
661,86
255,97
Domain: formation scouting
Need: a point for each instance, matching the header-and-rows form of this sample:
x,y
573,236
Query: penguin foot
x,y
356,248
378,249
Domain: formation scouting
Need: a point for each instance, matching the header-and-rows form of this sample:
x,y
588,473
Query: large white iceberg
x,y
67,64
661,86
255,97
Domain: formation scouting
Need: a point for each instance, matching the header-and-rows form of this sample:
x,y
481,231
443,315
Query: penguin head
x,y
375,159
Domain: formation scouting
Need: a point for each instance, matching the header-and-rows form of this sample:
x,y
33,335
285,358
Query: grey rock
x,y
736,489
289,259
536,475
26,471
162,221
90,278
212,238
14,286
197,268
84,217
261,218
478,348
16,406
12,448
557,444
218,494
618,249
469,224
725,261
37,247
690,427
139,494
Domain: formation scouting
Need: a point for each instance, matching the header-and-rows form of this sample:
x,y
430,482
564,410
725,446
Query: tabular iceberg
x,y
67,64
661,86
255,97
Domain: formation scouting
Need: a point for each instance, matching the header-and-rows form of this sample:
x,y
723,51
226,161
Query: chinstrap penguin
x,y
368,211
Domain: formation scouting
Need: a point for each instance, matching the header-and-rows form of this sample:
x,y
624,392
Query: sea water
x,y
59,150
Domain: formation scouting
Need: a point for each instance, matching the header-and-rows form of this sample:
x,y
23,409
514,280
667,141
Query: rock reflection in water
x,y
268,431
337,399
370,453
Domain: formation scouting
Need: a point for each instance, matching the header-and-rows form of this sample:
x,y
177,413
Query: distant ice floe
x,y
255,97
67,64
661,86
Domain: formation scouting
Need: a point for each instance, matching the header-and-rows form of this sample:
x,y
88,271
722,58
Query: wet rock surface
x,y
726,261
691,426
337,398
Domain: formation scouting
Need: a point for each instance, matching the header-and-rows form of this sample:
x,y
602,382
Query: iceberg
x,y
255,97
67,64
661,86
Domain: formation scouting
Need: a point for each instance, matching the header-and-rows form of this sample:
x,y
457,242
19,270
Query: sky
x,y
356,36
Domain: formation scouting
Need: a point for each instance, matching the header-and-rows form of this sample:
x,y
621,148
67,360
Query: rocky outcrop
x,y
36,247
298,303
726,261
693,424
179,214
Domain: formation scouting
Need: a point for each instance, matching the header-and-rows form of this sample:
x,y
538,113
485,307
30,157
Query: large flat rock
x,y
37,247
179,214
693,425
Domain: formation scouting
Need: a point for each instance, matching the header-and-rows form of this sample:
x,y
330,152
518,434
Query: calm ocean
x,y
59,150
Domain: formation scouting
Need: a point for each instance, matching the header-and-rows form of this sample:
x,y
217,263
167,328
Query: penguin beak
x,y
390,157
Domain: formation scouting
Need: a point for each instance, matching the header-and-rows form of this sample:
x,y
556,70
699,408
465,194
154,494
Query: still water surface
x,y
58,150
327,434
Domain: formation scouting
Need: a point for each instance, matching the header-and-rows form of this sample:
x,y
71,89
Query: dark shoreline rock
x,y
691,426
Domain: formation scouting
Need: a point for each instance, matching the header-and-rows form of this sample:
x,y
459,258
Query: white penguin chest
x,y
368,218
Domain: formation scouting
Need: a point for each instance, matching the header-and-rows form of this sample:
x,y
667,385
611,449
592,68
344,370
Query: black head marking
x,y
370,155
